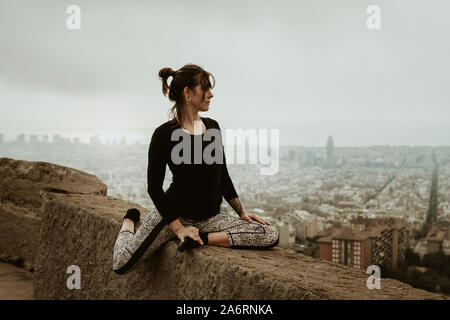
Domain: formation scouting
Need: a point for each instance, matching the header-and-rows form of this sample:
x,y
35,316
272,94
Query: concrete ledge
x,y
23,188
22,181
20,232
55,217
81,230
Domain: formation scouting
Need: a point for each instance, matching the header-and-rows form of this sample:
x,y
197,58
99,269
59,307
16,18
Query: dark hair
x,y
190,75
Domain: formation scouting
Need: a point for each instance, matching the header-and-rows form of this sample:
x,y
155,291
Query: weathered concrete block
x,y
22,181
24,187
20,232
57,217
81,230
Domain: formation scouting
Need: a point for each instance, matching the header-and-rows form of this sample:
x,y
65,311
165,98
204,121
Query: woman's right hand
x,y
189,231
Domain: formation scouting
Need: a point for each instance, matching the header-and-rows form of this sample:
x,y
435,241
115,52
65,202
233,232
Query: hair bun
x,y
164,73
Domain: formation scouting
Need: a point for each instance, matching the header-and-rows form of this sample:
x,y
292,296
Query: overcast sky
x,y
309,68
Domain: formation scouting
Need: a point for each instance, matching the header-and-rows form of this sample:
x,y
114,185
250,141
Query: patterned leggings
x,y
154,232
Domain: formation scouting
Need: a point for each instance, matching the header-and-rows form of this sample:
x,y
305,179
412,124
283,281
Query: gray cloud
x,y
309,68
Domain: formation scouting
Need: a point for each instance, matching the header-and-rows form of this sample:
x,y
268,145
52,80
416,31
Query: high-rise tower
x,y
331,160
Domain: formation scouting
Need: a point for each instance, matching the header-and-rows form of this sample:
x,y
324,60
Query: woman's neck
x,y
189,117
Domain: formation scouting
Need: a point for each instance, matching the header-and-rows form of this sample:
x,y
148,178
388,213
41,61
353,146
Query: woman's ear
x,y
187,94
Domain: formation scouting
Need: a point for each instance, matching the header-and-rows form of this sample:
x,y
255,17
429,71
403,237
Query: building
x,y
434,240
77,141
346,246
57,139
21,138
400,240
381,245
421,248
34,139
446,247
313,227
306,225
94,140
287,235
306,158
293,155
331,160
360,245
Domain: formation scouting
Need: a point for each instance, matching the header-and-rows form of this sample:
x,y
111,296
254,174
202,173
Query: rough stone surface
x,y
24,186
56,217
20,232
81,230
15,283
21,181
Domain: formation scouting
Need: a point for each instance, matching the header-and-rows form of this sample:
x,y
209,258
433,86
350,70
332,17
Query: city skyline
x,y
335,121
133,139
306,199
309,69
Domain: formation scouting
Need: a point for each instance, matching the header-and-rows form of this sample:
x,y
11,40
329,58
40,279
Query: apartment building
x,y
364,243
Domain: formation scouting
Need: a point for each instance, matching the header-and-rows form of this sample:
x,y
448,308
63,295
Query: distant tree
x,y
412,275
316,254
438,261
313,239
388,272
412,258
424,281
445,287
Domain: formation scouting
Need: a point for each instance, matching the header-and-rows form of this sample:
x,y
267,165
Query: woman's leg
x,y
219,239
129,246
240,233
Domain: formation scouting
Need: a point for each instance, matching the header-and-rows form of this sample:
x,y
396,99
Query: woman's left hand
x,y
249,217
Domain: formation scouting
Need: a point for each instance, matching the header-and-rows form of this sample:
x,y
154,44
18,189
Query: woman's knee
x,y
151,219
266,237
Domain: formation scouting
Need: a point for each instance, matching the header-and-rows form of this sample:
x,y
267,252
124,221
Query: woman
x,y
190,208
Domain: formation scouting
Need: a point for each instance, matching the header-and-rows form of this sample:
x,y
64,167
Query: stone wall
x,y
22,185
79,228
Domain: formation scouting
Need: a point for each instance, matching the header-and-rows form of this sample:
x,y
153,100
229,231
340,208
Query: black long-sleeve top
x,y
196,190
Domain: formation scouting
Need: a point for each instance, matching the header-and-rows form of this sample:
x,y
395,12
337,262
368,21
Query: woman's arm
x,y
176,226
236,204
228,190
182,231
231,196
239,208
156,170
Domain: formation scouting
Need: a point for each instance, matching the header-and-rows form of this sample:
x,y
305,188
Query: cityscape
x,y
358,206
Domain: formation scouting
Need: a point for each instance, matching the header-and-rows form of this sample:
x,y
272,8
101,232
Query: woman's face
x,y
197,98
